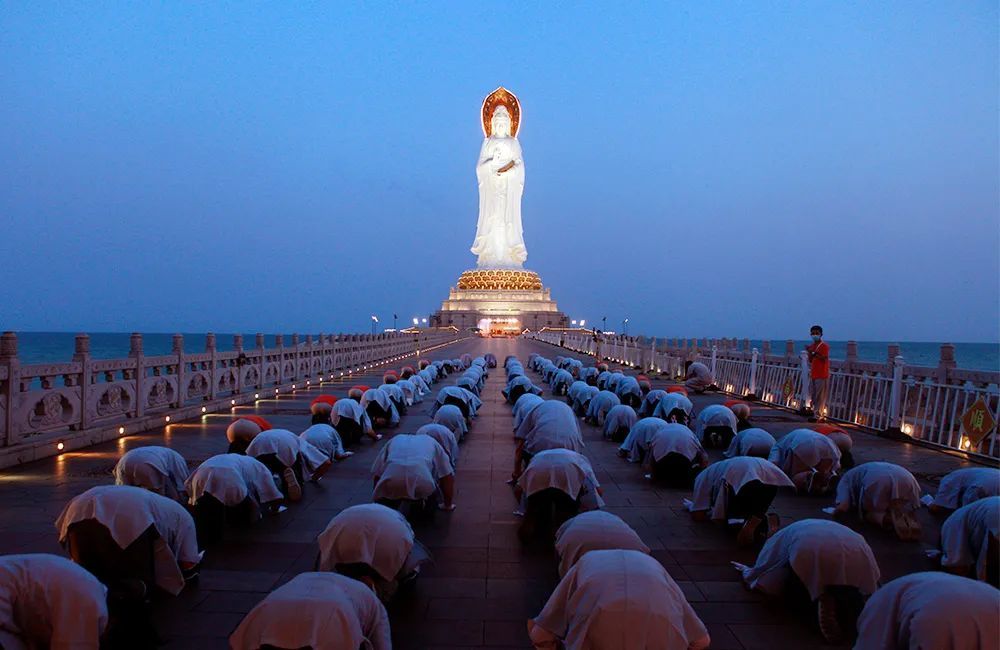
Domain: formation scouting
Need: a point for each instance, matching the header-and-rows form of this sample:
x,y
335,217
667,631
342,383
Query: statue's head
x,y
501,122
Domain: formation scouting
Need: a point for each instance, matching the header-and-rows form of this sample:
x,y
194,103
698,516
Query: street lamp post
x,y
625,326
604,326
374,322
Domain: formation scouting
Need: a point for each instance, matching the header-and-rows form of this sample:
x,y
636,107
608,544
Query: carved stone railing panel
x,y
40,411
160,393
111,401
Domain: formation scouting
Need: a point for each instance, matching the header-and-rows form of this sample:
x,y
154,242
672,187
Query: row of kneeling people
x,y
419,469
146,532
742,488
368,552
559,500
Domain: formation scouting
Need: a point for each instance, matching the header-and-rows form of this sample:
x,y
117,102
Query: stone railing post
x,y
296,355
261,359
8,358
753,374
213,374
310,356
135,352
279,344
804,394
892,351
851,355
896,394
81,355
789,349
946,362
715,352
177,350
240,361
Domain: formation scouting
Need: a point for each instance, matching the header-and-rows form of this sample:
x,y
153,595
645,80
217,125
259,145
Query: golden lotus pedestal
x,y
501,301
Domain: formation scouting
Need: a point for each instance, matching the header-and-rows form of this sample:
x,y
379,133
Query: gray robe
x,y
716,415
966,533
596,530
618,417
821,553
524,405
47,601
409,467
750,442
619,599
157,469
451,416
550,425
710,493
650,401
639,437
600,404
930,611
872,489
322,611
963,486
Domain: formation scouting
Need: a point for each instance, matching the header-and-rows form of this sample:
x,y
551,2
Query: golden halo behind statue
x,y
501,97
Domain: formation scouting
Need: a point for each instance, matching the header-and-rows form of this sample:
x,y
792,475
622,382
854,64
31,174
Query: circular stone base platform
x,y
499,280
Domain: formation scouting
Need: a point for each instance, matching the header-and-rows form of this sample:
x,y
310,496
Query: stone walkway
x,y
483,585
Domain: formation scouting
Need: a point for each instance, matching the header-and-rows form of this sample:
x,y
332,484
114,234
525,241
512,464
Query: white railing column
x,y
715,352
804,395
753,374
896,394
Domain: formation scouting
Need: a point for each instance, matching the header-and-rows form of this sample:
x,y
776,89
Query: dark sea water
x,y
50,347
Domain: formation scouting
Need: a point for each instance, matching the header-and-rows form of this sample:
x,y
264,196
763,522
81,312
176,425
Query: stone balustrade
x,y
923,403
52,407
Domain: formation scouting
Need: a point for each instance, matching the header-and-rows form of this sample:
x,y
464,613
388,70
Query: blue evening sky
x,y
706,169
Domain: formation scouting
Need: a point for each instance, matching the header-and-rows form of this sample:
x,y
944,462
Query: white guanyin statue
x,y
499,236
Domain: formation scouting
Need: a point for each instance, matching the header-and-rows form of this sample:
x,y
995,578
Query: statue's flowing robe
x,y
499,236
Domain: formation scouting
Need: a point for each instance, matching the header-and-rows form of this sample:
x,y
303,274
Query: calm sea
x,y
49,347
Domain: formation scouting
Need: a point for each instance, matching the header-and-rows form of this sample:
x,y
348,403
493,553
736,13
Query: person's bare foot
x,y
292,484
320,471
448,507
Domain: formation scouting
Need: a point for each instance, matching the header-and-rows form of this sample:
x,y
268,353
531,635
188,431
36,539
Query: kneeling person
x,y
374,544
290,458
157,469
413,468
597,530
884,494
674,456
322,611
739,491
831,563
651,613
556,485
120,532
47,601
233,488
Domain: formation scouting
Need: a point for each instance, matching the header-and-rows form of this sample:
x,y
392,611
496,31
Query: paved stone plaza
x,y
483,585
